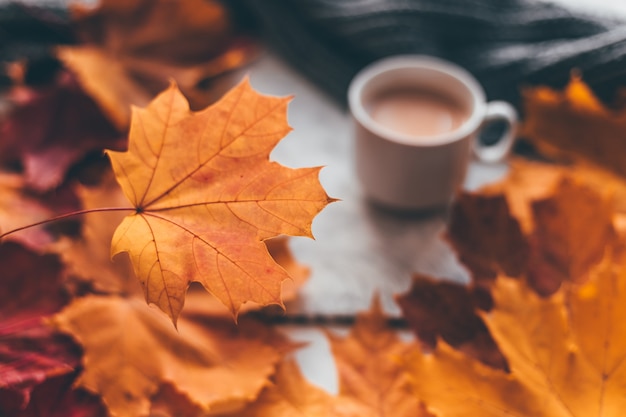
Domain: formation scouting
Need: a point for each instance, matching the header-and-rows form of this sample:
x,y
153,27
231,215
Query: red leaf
x,y
53,128
487,236
30,351
57,398
31,284
437,309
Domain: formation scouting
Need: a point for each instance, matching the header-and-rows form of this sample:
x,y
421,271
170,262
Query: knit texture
x,y
506,44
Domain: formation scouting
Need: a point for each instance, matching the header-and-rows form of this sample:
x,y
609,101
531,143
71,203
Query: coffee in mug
x,y
419,113
416,125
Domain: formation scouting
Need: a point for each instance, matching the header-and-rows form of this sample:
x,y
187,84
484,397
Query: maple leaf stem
x,y
66,216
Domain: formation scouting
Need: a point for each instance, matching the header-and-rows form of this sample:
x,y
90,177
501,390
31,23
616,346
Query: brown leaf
x,y
131,50
369,369
206,196
57,398
525,182
487,238
52,129
566,354
439,310
568,227
31,353
567,215
31,284
131,350
575,125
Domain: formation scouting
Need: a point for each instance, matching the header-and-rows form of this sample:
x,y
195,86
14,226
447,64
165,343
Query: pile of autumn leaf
x,y
192,196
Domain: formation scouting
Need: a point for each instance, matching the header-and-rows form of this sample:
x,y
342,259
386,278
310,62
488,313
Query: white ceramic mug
x,y
400,172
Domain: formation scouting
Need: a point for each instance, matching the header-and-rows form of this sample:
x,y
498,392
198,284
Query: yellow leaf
x,y
130,49
291,395
206,196
529,180
368,363
131,351
566,354
574,125
573,228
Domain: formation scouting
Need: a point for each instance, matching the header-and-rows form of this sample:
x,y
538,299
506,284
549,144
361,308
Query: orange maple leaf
x,y
566,354
206,196
547,231
532,180
568,228
131,352
87,257
291,394
572,230
369,367
129,50
574,124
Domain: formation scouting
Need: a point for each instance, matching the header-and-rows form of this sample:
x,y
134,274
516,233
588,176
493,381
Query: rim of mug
x,y
369,72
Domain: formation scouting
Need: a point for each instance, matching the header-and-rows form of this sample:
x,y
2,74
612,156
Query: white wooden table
x,y
359,250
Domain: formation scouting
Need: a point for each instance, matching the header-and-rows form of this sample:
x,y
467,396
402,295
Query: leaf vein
x,y
209,159
217,251
158,155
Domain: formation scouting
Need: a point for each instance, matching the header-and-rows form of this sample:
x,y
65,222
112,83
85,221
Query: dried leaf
x,y
18,208
439,310
369,367
168,402
31,284
566,354
196,29
575,125
87,257
68,126
525,182
198,300
130,50
206,197
573,228
292,395
131,351
31,353
106,80
56,397
567,226
487,238
529,180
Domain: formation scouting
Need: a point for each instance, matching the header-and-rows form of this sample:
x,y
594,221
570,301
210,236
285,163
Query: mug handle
x,y
497,111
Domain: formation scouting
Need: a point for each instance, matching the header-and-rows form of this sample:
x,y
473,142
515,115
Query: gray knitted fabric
x,y
504,43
